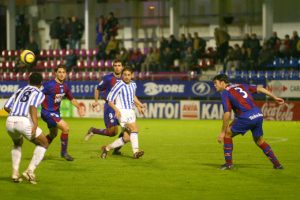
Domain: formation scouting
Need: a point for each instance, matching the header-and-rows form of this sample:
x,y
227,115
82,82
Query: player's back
x,y
239,98
25,97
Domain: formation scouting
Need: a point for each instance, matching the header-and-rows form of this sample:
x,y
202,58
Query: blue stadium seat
x,y
293,62
270,74
280,75
261,75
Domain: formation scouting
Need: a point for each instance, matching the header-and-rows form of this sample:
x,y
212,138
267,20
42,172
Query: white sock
x,y
134,141
117,143
37,157
16,155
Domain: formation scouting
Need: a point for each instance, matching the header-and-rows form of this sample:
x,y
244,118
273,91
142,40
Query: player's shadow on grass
x,y
5,179
236,166
52,157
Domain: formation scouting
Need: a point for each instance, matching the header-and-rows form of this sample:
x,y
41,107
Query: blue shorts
x,y
252,122
109,117
51,118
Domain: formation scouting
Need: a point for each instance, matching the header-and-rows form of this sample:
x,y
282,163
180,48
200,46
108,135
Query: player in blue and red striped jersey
x,y
238,97
55,90
111,122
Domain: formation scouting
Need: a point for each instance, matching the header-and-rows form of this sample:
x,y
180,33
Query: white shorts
x,y
127,116
18,127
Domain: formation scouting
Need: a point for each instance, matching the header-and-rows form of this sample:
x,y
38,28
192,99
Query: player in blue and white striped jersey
x,y
23,122
122,99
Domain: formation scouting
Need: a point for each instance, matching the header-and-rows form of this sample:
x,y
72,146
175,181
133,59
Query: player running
x,y
55,90
238,97
111,122
122,100
22,122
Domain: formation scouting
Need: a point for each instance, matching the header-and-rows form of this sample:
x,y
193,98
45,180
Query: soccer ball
x,y
27,57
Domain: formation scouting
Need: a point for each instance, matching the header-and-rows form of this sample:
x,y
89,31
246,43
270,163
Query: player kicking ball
x,y
122,100
238,97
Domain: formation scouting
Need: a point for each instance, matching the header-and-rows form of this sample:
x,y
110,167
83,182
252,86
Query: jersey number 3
x,y
242,92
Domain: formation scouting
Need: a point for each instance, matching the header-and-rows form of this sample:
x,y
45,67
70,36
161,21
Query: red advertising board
x,y
290,111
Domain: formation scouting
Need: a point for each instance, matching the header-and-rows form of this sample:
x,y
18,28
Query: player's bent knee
x,y
126,138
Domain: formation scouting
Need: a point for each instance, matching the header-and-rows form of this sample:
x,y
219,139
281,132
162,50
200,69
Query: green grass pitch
x,y
181,162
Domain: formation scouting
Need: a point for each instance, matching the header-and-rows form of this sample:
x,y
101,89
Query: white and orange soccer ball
x,y
27,57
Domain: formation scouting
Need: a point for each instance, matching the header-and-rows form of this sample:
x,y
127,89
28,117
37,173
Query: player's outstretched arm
x,y
270,94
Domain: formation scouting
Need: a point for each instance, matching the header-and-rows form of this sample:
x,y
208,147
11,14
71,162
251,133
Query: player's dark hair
x,y
35,79
60,67
127,69
221,77
116,61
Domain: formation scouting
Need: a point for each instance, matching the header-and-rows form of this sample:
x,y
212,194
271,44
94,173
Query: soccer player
x,y
22,122
238,97
111,122
122,100
55,90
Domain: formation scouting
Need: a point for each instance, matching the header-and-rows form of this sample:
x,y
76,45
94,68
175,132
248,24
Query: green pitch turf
x,y
181,162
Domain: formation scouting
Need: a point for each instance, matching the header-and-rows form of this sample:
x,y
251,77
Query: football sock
x,y
37,157
134,141
105,132
269,153
120,136
64,143
228,147
117,143
16,155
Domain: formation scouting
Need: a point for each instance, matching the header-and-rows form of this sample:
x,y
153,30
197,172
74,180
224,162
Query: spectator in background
x,y
182,42
76,32
167,60
136,59
189,41
163,44
112,26
189,60
295,45
151,61
55,32
273,41
222,42
174,46
265,56
199,45
22,32
100,30
232,60
285,47
112,48
123,55
63,38
254,46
